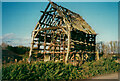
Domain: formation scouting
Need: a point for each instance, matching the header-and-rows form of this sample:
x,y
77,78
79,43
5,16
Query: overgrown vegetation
x,y
18,49
52,70
10,53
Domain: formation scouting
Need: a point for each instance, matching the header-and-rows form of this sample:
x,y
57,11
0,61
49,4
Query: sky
x,y
20,18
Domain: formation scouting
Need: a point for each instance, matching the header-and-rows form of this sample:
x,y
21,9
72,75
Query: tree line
x,y
107,48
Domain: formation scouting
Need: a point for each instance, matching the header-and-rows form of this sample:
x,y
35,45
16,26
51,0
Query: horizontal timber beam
x,y
50,28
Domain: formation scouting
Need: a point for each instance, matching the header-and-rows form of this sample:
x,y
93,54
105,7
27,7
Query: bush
x,y
18,49
51,70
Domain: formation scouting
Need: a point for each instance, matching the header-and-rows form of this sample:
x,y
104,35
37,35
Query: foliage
x,y
52,70
12,53
18,49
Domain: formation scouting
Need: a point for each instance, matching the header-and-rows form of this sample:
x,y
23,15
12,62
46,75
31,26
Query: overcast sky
x,y
20,18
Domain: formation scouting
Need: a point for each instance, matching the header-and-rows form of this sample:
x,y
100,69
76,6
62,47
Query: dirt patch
x,y
107,76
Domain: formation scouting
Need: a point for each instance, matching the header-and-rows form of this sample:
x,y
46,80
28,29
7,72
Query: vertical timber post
x,y
60,47
63,48
44,44
97,55
96,50
68,49
30,53
53,47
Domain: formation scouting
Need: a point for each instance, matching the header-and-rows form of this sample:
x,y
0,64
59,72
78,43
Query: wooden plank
x,y
37,49
63,52
97,55
44,41
77,16
60,46
44,20
49,21
42,16
36,26
53,47
47,11
42,44
65,31
68,49
44,13
46,24
67,23
30,53
84,23
50,28
60,13
54,52
78,26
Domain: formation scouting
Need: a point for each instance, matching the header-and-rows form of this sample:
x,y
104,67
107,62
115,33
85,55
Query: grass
x,y
10,53
52,70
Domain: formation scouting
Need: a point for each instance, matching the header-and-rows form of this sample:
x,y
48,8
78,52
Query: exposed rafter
x,y
61,32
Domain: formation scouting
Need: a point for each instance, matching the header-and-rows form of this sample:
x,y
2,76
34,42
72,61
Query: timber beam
x,y
43,29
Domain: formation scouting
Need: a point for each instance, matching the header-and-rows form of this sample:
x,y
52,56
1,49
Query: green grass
x,y
51,70
10,53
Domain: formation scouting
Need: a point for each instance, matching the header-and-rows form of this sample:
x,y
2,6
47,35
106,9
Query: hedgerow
x,y
59,70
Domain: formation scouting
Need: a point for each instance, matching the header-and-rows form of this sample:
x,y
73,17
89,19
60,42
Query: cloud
x,y
8,36
13,39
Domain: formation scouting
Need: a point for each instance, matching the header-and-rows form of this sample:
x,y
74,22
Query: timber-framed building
x,y
60,34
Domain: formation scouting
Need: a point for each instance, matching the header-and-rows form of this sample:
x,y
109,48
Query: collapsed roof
x,y
54,13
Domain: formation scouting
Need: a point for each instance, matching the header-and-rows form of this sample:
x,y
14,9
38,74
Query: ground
x,y
107,76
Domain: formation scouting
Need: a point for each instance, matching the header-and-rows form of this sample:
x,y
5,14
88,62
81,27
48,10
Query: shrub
x,y
18,49
52,70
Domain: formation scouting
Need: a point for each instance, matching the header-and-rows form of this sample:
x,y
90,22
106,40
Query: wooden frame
x,y
62,32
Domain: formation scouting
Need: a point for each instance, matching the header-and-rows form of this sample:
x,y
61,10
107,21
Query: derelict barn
x,y
60,34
